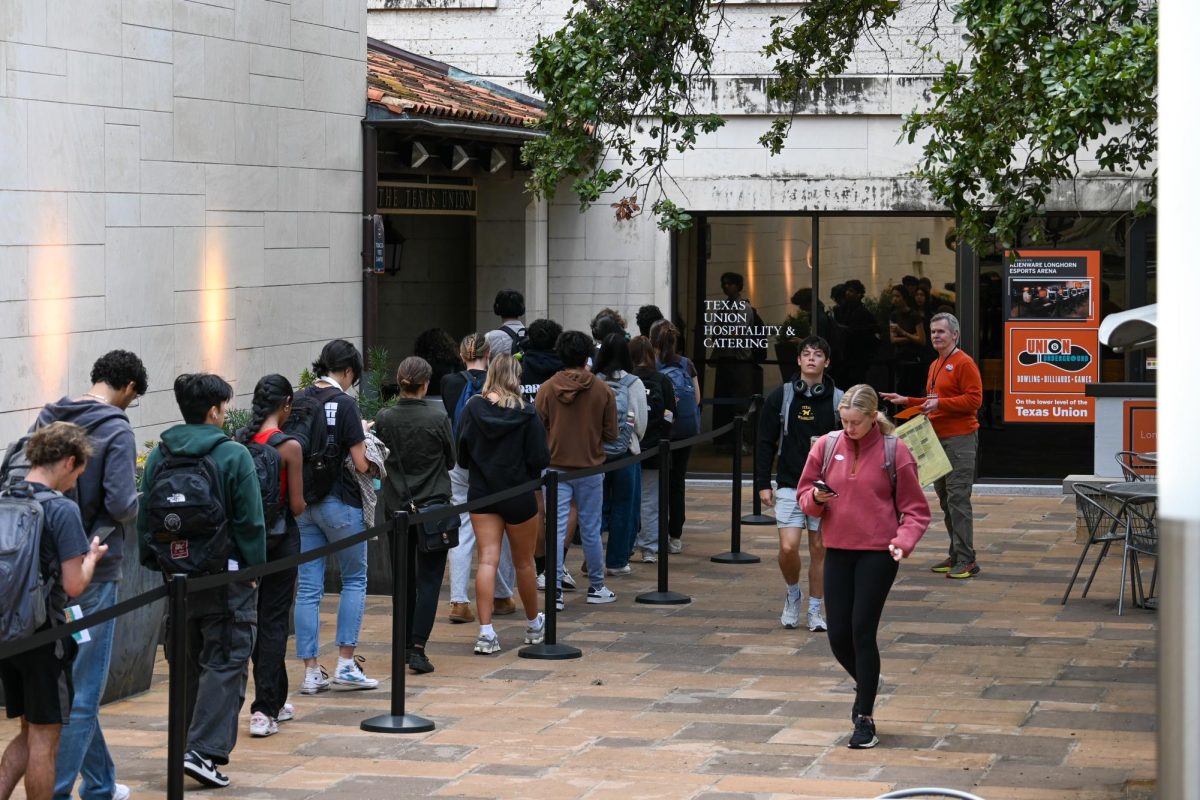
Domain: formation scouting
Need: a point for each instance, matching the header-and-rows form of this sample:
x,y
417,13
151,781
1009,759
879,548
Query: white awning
x,y
1130,330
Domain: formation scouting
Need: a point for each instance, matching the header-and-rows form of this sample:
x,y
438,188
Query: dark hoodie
x,y
107,489
243,497
580,414
501,447
536,368
812,413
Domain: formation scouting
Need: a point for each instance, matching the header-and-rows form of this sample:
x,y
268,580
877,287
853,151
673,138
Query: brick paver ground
x,y
991,686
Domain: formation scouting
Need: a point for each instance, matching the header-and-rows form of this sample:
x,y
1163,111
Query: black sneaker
x,y
418,662
203,770
863,737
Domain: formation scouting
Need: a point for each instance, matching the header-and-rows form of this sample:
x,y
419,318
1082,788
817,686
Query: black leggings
x,y
275,592
857,583
677,491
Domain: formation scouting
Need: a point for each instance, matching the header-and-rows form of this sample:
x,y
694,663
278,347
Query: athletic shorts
x,y
37,684
514,510
790,515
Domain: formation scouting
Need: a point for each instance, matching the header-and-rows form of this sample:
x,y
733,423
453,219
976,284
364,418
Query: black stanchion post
x,y
663,596
398,721
550,649
757,518
176,685
735,554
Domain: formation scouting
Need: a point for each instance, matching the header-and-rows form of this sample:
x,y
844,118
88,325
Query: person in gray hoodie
x,y
107,497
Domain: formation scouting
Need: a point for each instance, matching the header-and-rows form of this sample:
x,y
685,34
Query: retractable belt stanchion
x,y
398,721
735,554
176,685
663,596
550,649
757,518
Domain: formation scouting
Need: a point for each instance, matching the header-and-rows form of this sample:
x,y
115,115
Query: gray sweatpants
x,y
954,495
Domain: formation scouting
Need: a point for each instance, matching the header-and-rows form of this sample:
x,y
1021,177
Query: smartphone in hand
x,y
824,487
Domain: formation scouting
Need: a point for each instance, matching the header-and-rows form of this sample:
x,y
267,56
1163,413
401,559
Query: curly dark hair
x,y
647,316
57,441
441,351
543,334
271,393
607,321
119,368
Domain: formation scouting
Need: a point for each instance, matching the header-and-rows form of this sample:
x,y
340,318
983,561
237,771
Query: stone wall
x,y
180,179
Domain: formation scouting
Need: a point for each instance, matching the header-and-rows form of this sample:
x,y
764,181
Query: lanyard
x,y
937,372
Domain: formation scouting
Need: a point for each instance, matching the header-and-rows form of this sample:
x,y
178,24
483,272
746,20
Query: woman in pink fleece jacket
x,y
864,542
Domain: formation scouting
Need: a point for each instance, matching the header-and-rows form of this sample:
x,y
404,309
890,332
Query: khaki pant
x,y
954,495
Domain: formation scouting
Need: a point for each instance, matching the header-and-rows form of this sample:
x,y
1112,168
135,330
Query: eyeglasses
x,y
137,401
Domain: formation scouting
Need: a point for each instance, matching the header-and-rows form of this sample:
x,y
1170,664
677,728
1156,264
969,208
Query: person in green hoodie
x,y
221,622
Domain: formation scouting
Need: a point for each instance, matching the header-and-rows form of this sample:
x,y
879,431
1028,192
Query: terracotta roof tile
x,y
405,86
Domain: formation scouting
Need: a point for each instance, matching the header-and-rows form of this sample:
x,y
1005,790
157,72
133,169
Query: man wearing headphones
x,y
793,416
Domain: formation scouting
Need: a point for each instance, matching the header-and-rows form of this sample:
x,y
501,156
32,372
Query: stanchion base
x,y
736,558
758,519
550,652
663,598
387,723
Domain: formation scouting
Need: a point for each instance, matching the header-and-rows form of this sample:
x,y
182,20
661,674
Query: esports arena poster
x,y
1052,336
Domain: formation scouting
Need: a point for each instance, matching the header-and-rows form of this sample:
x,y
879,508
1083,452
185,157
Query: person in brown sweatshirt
x,y
580,414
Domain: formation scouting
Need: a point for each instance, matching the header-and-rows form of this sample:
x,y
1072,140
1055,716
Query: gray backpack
x,y
621,387
24,593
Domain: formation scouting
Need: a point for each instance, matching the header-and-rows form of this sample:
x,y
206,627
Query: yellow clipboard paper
x,y
932,462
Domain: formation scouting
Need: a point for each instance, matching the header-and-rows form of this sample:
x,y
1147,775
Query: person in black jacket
x,y
420,456
502,443
797,413
539,360
660,402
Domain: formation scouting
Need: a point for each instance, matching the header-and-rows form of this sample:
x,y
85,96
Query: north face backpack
x,y
625,431
687,412
322,457
473,387
186,526
24,593
268,465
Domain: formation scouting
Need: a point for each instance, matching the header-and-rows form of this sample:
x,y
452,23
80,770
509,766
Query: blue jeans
x,y
622,493
329,521
589,501
82,750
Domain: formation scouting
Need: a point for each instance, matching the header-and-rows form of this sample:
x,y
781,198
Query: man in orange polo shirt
x,y
954,393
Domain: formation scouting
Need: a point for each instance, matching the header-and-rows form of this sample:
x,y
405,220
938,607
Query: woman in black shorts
x,y
502,443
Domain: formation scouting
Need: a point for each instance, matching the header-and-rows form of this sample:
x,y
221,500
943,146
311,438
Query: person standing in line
x,y
270,409
420,457
107,497
622,487
660,403
686,383
954,394
509,306
502,442
476,352
37,683
441,351
333,516
862,483
539,361
793,416
907,335
738,371
645,317
221,622
580,415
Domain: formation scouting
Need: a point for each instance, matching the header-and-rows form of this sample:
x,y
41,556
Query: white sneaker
x,y
601,594
649,557
790,617
316,680
262,725
568,580
120,792
558,601
486,645
541,581
625,570
675,545
287,712
535,631
816,621
349,675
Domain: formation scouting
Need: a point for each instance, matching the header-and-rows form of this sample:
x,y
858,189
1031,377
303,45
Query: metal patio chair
x,y
902,794
1134,467
1101,514
1141,537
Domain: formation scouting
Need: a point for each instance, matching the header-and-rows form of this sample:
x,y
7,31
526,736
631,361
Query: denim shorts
x,y
790,515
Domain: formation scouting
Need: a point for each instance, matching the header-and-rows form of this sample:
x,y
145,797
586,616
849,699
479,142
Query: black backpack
x,y
656,405
322,456
186,526
268,465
